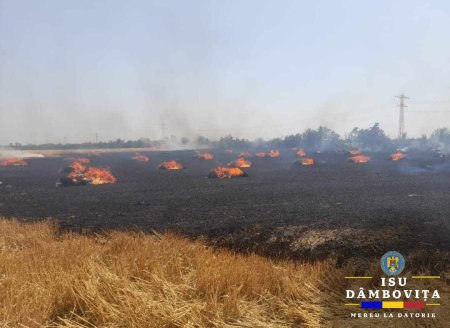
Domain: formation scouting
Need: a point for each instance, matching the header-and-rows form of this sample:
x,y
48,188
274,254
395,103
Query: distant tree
x,y
231,142
203,141
441,137
372,138
293,140
321,139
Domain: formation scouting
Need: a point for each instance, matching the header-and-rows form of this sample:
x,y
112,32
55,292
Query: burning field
x,y
319,208
274,211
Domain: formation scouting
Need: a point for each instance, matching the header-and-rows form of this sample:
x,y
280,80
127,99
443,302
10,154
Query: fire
x,y
140,158
274,153
307,161
13,162
81,174
205,156
355,152
78,166
359,159
301,153
80,160
171,165
398,156
226,172
97,176
242,162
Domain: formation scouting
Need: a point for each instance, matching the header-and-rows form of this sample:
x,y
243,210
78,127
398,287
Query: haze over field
x,y
69,70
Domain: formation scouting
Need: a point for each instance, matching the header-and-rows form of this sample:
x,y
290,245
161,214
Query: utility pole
x,y
401,121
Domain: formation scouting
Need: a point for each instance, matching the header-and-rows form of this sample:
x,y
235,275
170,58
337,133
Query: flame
x,y
354,152
97,176
92,175
359,159
274,153
242,162
301,153
78,166
307,161
205,156
80,160
227,172
171,165
398,156
140,158
13,162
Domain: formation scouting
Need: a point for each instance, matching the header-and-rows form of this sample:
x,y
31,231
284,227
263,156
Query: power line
x,y
401,121
428,111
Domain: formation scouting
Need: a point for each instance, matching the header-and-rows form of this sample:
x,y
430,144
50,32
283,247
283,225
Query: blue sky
x,y
70,69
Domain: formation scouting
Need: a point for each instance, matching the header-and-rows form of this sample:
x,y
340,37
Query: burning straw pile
x,y
13,162
223,172
171,165
81,173
357,157
140,158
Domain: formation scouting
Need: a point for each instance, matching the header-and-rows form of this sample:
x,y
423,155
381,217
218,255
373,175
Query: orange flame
x,y
97,176
274,153
81,160
78,166
261,154
205,156
171,165
307,161
13,162
398,156
91,175
242,162
227,172
301,153
359,159
140,158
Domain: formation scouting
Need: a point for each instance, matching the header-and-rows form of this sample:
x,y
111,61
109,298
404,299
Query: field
x,y
273,247
282,209
119,279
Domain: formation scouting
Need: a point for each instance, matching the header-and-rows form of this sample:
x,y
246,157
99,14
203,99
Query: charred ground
x,y
334,208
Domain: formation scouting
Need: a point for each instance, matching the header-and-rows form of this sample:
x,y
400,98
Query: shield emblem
x,y
392,263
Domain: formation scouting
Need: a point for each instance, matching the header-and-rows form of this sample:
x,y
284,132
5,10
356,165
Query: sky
x,y
71,70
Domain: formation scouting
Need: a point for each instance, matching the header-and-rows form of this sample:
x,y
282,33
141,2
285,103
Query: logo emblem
x,y
392,263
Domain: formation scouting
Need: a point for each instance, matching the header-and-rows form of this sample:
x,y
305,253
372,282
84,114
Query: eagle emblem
x,y
392,263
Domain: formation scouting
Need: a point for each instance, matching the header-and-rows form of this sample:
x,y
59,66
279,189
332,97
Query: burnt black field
x,y
333,208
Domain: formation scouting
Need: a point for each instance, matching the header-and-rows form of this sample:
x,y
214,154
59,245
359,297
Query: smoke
x,y
72,73
10,153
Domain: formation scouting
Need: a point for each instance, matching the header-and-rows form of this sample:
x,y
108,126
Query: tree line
x,y
322,138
